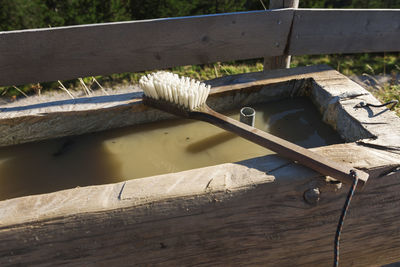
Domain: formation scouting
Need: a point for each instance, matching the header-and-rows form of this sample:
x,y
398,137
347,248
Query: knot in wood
x,y
312,195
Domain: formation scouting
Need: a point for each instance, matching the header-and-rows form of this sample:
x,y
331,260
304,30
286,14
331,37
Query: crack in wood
x,y
279,167
208,184
392,149
120,192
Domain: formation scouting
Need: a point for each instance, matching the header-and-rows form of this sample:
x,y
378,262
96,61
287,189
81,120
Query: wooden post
x,y
280,62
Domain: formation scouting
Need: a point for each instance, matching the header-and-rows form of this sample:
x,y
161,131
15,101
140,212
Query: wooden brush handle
x,y
287,149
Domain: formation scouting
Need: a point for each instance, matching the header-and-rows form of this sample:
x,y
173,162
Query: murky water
x,y
151,149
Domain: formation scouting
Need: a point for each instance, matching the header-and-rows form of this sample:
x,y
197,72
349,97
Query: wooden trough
x,y
262,211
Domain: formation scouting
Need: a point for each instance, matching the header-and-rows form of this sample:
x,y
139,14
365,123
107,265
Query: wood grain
x,y
231,214
329,31
40,55
77,51
280,62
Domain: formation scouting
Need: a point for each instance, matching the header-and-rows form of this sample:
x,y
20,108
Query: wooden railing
x,y
39,55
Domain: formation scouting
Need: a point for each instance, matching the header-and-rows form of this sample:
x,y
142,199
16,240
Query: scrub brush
x,y
187,97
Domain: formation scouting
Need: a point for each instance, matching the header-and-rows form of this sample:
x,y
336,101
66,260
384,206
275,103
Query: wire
x,y
342,216
363,104
262,3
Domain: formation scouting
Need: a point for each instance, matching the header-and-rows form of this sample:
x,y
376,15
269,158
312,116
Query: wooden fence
x,y
38,55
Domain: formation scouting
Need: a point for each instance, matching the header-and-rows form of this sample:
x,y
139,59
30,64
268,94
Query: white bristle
x,y
182,91
180,95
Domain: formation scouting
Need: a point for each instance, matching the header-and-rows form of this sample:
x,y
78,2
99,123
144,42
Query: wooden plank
x,y
39,55
329,31
251,213
280,62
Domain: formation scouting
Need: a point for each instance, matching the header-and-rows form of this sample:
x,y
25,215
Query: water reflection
x,y
151,149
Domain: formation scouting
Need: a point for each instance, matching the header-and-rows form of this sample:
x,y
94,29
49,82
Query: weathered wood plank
x,y
337,98
69,52
328,31
231,214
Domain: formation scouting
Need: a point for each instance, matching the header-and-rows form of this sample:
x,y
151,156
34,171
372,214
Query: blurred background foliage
x,y
26,14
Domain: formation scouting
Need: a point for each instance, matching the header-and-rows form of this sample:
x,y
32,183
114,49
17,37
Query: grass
x,y
359,64
387,93
200,72
355,64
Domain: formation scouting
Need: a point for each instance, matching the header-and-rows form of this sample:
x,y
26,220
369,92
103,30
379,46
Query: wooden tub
x,y
261,211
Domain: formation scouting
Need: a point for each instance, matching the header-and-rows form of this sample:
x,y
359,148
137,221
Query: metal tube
x,y
247,116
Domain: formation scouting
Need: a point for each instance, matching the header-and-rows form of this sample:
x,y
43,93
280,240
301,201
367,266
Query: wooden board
x,y
329,31
39,55
251,213
280,62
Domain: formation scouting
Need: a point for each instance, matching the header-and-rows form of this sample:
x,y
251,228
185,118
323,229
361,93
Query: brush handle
x,y
282,147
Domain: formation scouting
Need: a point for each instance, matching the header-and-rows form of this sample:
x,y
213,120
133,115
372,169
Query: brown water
x,y
151,149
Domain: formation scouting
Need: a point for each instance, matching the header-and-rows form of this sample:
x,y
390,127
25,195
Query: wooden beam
x,y
251,213
39,55
280,62
329,31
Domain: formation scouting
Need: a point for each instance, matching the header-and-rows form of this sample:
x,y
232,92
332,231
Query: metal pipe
x,y
247,116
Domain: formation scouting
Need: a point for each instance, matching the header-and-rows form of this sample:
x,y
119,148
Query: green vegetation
x,y
357,64
24,14
388,92
349,4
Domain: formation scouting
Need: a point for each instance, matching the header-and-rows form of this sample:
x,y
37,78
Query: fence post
x,y
279,62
